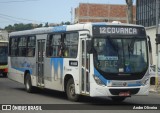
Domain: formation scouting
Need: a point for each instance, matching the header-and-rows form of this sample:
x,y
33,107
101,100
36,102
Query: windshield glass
x,y
3,55
119,55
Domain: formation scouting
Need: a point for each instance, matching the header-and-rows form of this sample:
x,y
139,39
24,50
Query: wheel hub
x,y
72,90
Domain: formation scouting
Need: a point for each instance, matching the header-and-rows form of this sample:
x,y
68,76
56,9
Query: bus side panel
x,y
71,67
18,66
13,73
53,69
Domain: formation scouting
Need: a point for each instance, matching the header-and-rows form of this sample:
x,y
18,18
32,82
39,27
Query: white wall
x,y
3,35
159,55
151,31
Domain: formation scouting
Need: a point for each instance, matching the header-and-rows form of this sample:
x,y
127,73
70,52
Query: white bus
x,y
93,59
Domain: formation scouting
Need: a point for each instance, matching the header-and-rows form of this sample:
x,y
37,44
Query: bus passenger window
x,y
31,46
30,52
71,45
66,46
53,45
61,49
22,46
13,48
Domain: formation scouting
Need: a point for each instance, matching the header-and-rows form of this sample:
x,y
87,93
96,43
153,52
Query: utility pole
x,y
130,11
157,15
157,26
71,15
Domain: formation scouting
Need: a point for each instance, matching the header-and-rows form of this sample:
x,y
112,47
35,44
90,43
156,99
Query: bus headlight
x,y
98,80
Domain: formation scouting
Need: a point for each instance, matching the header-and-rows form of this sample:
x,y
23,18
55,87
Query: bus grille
x,y
117,91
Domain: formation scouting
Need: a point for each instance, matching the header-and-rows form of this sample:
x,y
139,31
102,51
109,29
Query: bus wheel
x,y
118,99
5,75
70,90
28,84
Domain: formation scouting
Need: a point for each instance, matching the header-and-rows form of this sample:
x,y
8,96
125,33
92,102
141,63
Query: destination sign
x,y
118,30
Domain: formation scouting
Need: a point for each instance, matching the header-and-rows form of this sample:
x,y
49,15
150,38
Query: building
x,y
146,16
146,12
87,12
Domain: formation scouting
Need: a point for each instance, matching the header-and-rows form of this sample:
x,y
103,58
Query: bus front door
x,y
40,62
85,61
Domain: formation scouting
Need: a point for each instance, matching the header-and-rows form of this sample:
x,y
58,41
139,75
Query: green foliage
x,y
21,26
46,25
65,23
40,25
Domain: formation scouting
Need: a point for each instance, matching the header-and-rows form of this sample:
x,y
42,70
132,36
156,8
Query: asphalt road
x,y
12,92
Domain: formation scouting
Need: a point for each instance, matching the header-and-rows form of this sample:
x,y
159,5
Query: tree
x,y
68,23
62,23
19,27
46,25
40,25
22,26
9,28
65,23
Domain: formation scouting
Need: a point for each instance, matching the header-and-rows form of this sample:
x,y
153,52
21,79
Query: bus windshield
x,y
3,55
120,55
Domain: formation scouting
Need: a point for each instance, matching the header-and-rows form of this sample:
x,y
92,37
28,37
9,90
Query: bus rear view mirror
x,y
150,50
149,43
157,38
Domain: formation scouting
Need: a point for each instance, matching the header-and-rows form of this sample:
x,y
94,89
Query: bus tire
x,y
70,90
118,99
5,75
28,83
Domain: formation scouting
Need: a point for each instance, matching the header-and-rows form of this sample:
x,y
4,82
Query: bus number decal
x,y
73,63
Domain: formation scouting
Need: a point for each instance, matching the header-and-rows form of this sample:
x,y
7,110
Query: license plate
x,y
124,94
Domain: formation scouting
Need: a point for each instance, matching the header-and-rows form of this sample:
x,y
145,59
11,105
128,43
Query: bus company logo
x,y
21,107
124,84
6,107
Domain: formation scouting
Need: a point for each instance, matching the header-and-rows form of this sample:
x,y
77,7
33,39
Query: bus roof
x,y
65,28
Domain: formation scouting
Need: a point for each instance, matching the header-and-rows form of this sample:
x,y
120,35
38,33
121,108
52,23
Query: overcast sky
x,y
42,11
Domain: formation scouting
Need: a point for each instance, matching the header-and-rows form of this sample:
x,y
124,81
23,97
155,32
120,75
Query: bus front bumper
x,y
97,90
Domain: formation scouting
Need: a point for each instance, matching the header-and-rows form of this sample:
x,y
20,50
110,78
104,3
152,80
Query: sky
x,y
42,11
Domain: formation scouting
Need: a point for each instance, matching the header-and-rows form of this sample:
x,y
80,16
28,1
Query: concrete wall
x,y
3,35
151,31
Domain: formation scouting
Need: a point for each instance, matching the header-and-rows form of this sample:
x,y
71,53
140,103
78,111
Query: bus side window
x,y
22,46
31,46
58,46
30,52
71,45
14,48
62,45
49,48
53,45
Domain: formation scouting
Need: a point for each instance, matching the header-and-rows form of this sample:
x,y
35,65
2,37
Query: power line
x,y
8,19
19,1
11,17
